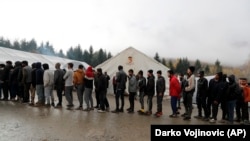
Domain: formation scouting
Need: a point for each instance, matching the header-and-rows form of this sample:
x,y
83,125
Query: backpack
x,y
246,94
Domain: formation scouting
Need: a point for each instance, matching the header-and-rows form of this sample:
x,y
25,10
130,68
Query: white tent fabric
x,y
131,58
16,55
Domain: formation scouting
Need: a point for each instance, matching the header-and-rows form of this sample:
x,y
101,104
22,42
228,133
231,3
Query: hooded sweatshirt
x,y
39,74
78,77
233,90
89,77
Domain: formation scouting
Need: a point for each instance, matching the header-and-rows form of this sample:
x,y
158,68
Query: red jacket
x,y
174,87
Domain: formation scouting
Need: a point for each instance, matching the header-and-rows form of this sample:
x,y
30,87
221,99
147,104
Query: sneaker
x,y
198,117
131,111
183,115
128,109
212,120
121,110
107,109
115,111
148,113
101,111
186,118
31,104
47,105
173,116
205,119
53,104
141,111
58,106
92,108
79,108
69,106
158,114
222,121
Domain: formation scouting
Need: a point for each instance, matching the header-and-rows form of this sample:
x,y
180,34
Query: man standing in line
x,y
132,90
59,83
142,88
189,89
174,92
48,82
33,84
78,80
39,85
121,86
160,90
101,89
201,96
5,80
68,77
26,81
150,91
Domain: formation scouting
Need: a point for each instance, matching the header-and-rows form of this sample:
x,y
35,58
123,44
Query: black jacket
x,y
150,88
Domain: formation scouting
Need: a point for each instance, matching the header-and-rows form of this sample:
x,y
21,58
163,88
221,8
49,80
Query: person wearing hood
x,y
39,85
215,95
5,80
1,79
223,98
189,92
59,83
232,94
150,91
78,80
48,83
88,84
33,84
14,80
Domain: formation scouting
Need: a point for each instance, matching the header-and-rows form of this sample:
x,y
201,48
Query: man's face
x,y
217,77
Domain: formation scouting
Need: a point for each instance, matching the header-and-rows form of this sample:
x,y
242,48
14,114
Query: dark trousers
x,y
103,99
150,103
188,103
132,100
174,100
159,102
201,105
242,110
97,99
119,94
13,90
59,94
6,90
224,108
26,96
215,108
209,107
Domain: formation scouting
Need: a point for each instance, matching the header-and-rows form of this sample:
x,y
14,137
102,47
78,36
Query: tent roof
x,y
17,55
132,58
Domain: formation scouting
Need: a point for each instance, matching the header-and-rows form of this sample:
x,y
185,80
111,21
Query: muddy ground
x,y
21,122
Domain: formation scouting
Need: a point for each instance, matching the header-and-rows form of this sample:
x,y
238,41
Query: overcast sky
x,y
197,29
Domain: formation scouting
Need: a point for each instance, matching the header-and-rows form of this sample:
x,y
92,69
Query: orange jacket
x,y
78,77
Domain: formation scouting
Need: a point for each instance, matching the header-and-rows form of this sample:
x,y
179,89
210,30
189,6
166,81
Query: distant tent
x,y
131,58
17,55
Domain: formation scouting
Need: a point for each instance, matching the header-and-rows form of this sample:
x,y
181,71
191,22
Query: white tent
x,y
131,58
16,55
